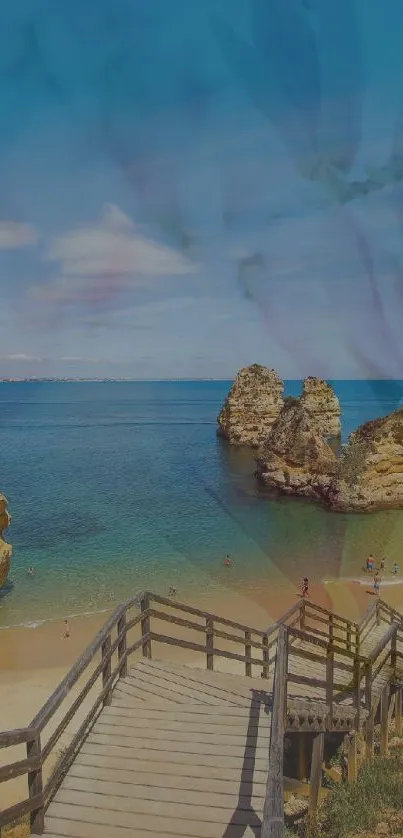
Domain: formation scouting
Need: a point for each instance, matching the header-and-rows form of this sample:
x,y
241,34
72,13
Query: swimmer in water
x,y
172,591
227,561
30,571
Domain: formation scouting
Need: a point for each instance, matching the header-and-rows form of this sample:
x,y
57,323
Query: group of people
x,y
370,567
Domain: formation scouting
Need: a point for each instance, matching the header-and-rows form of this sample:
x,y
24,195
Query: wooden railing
x,y
335,642
96,672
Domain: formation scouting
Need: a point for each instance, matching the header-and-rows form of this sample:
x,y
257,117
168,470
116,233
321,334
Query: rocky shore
x,y
5,549
298,442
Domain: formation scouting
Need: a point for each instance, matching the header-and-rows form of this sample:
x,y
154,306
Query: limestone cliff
x,y
321,400
251,407
370,473
5,549
368,476
295,458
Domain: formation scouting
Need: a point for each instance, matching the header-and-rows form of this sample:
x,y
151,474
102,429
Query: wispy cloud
x,y
21,356
14,234
100,260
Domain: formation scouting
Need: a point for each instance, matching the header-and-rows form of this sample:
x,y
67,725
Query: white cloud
x,y
14,234
115,246
21,356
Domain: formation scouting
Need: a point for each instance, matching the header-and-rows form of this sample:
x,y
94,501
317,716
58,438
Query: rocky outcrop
x,y
370,469
251,407
321,400
5,549
368,475
296,459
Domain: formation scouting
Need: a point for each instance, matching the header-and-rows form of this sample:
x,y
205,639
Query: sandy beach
x,y
33,660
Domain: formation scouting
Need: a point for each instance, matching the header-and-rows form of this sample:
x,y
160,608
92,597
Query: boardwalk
x,y
172,750
179,752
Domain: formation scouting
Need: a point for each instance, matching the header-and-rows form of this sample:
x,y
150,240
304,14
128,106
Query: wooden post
x,y
302,769
106,669
302,615
316,772
329,682
384,721
331,629
35,787
273,811
248,654
349,637
392,704
210,643
122,645
145,626
352,758
368,686
357,688
393,653
369,735
398,712
265,644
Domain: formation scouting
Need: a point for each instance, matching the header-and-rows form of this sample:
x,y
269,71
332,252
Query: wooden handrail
x,y
382,643
282,621
189,609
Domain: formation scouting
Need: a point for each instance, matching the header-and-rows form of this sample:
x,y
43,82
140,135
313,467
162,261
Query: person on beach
x,y
66,632
305,586
377,583
172,591
382,565
227,561
395,568
370,565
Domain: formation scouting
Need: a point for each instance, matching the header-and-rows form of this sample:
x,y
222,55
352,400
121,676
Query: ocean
x,y
114,487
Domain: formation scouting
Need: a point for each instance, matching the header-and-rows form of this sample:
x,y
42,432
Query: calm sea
x,y
118,486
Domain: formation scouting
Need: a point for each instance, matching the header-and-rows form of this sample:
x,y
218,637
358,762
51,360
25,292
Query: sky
x,y
190,187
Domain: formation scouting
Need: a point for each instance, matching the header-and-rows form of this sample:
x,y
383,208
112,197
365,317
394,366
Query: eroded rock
x,y
251,407
296,459
370,473
321,400
5,549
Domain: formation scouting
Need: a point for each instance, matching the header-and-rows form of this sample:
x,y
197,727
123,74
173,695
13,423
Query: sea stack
x,y
5,549
252,405
321,400
296,458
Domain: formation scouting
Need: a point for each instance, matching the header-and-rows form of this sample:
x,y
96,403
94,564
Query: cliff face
x,y
370,473
296,459
5,549
321,400
251,407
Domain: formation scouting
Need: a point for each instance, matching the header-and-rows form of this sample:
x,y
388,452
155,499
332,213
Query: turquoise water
x,y
118,486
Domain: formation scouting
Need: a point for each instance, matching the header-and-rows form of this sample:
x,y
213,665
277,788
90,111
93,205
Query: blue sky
x,y
189,187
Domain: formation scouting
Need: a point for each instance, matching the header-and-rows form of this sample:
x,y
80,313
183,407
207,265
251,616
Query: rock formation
x,y
321,400
5,549
368,476
296,459
251,407
370,472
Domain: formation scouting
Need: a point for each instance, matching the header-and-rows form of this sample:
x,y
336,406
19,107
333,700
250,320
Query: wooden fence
x,y
306,632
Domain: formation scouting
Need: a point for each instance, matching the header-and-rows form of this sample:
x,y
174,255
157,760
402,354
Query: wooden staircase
x,y
178,752
171,749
